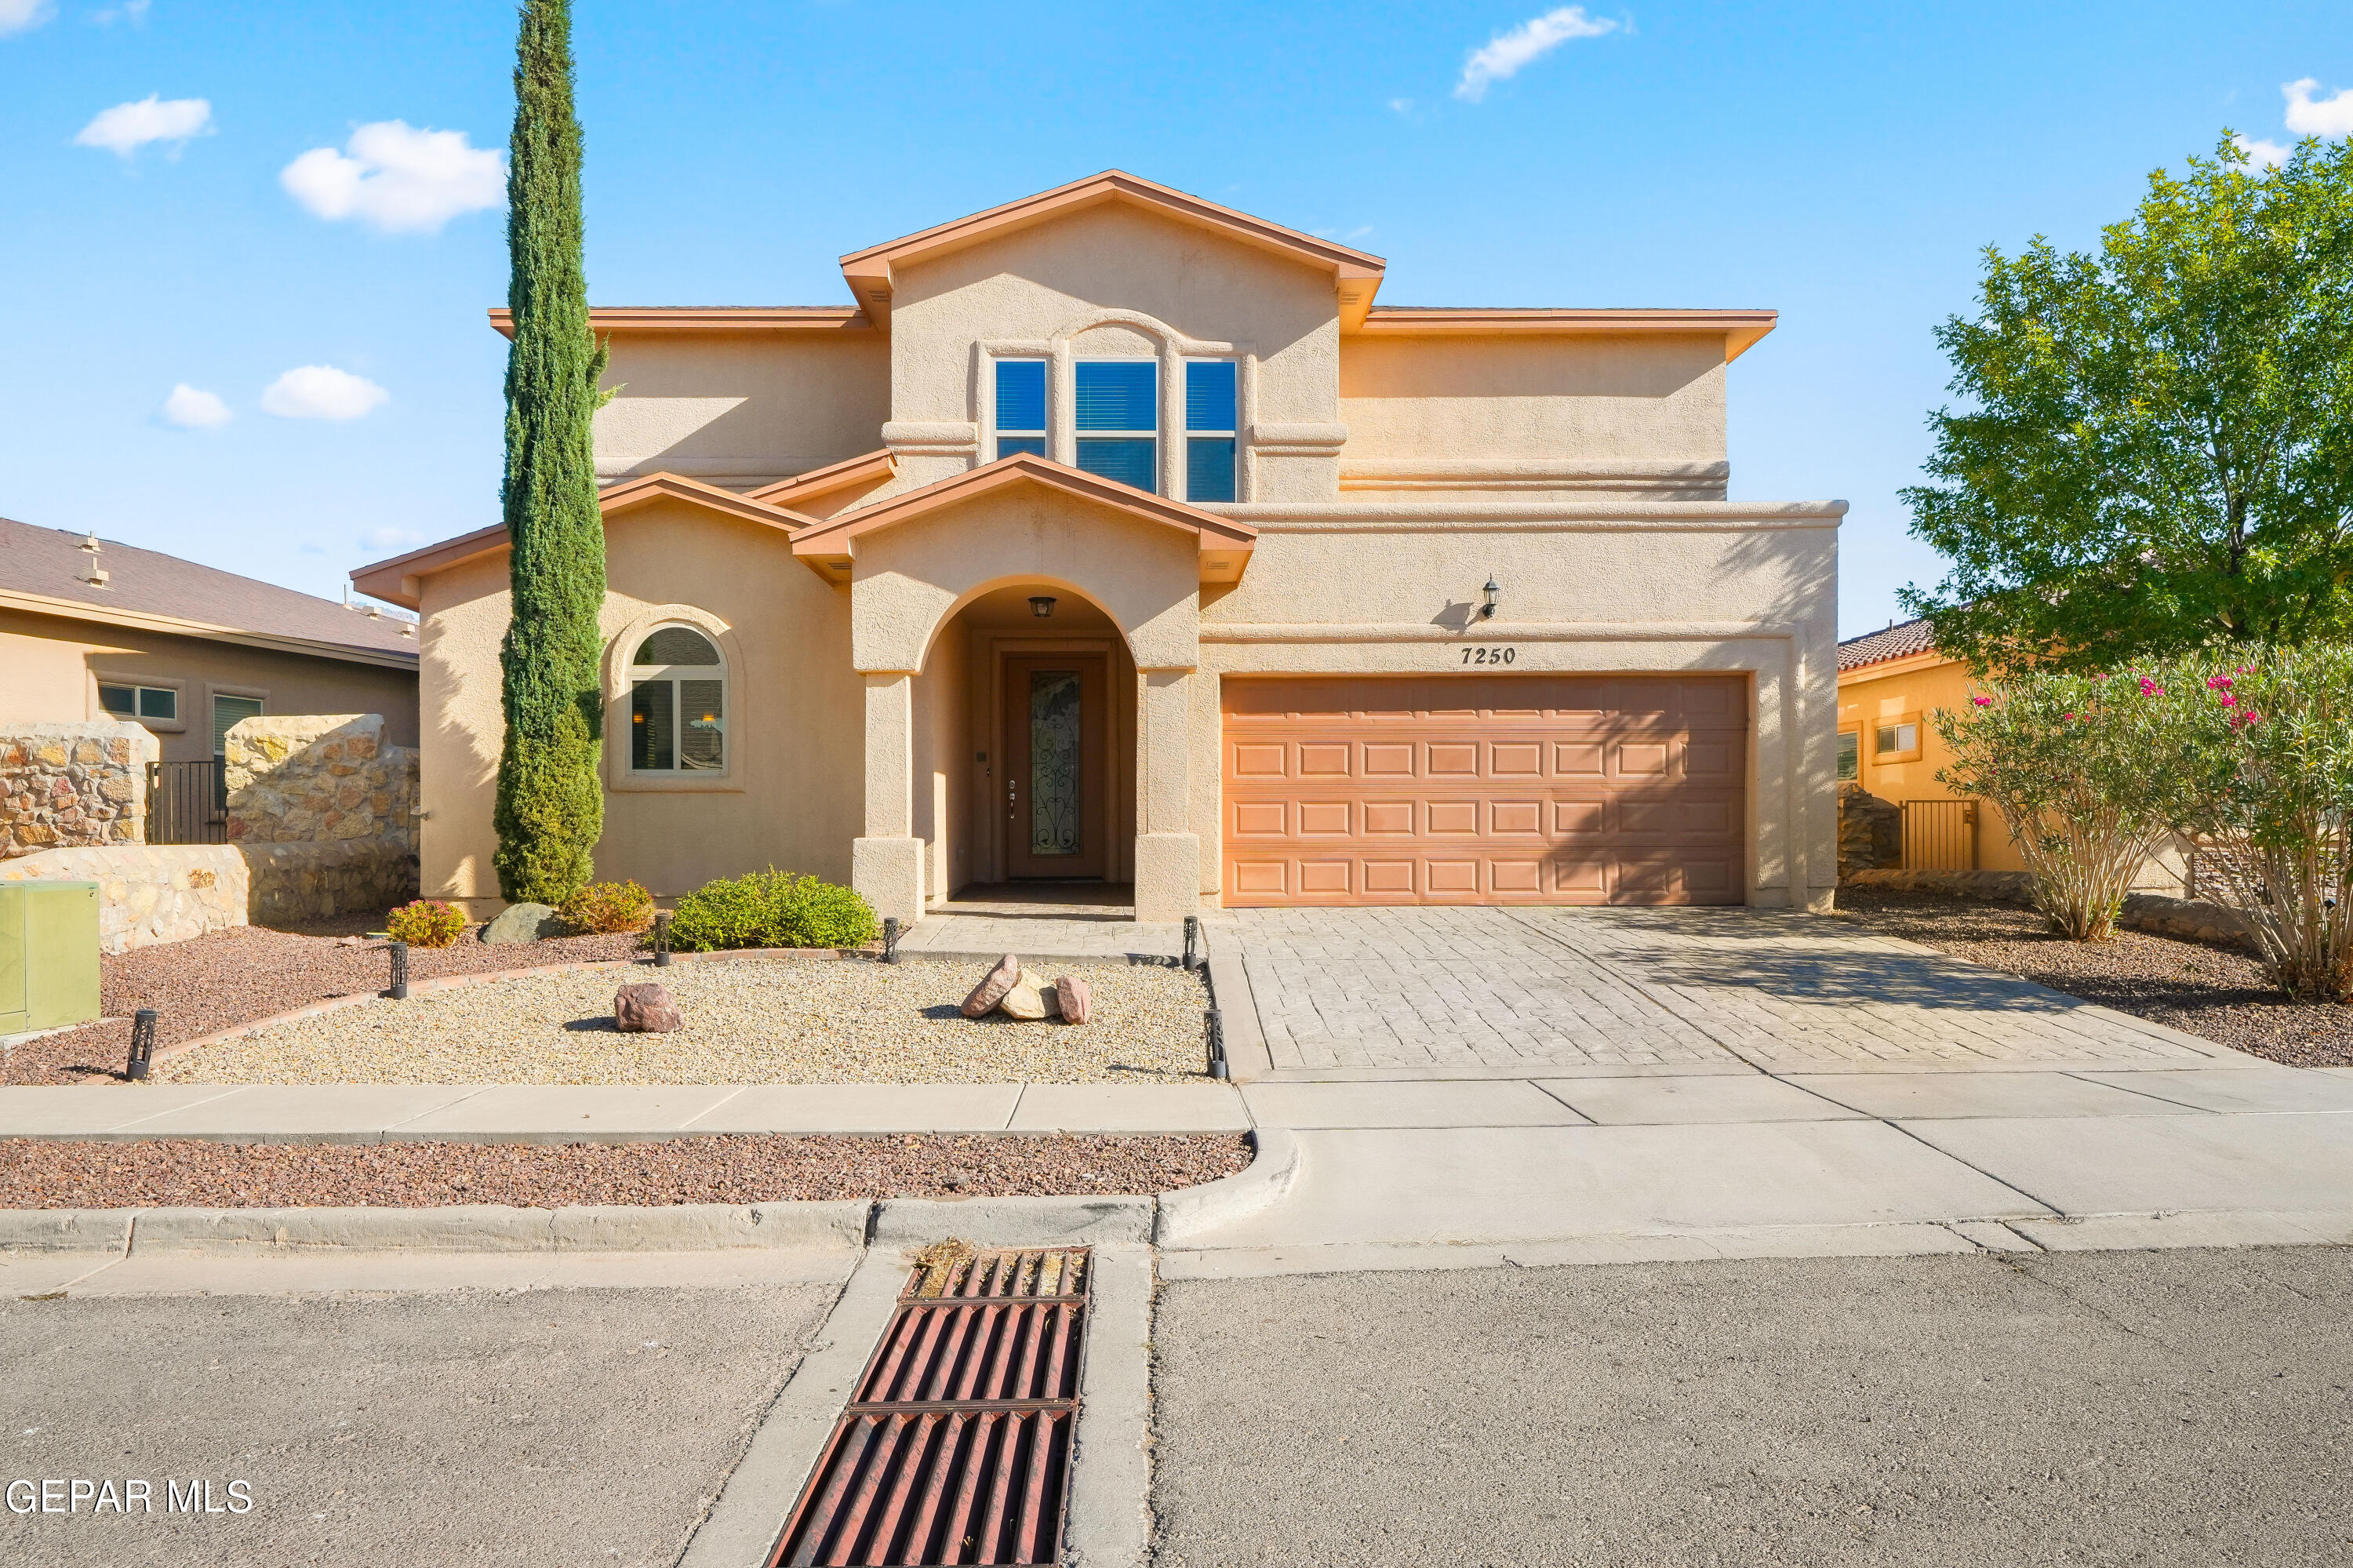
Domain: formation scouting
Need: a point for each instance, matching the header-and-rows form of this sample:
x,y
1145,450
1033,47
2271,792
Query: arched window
x,y
678,703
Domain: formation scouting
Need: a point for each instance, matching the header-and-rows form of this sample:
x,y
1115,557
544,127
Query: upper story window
x,y
1118,419
678,703
1020,407
1210,430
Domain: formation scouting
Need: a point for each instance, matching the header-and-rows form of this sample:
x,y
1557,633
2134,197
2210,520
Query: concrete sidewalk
x,y
559,1113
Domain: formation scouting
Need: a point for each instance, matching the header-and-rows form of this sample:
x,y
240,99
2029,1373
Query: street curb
x,y
1190,1210
1013,1222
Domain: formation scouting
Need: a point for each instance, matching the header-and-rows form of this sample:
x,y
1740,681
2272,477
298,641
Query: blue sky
x,y
1841,163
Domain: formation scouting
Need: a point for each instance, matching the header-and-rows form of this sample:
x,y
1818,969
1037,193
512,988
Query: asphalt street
x,y
549,1427
2185,1407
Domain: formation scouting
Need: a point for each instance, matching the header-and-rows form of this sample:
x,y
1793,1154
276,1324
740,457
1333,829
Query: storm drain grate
x,y
955,1447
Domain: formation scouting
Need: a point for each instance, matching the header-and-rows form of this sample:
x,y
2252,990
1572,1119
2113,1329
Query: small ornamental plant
x,y
2087,772
2271,801
427,923
603,909
771,909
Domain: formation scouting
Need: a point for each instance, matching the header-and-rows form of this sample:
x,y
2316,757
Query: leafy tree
x,y
550,806
2156,451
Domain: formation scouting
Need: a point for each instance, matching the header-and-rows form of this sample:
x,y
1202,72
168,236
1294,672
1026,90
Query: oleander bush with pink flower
x,y
2249,750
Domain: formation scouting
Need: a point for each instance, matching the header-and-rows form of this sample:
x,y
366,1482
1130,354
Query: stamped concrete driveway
x,y
1473,992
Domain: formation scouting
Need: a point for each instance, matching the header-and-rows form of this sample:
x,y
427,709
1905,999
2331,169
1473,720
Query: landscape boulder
x,y
1029,998
991,990
524,923
646,1008
1077,1002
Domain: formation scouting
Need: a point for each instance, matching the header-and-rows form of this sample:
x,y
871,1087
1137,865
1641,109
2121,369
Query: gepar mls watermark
x,y
80,1493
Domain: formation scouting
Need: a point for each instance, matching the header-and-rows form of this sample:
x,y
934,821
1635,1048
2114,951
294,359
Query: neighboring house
x,y
1116,535
1890,685
93,629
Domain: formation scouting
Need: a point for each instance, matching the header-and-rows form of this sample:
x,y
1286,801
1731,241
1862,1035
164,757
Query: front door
x,y
1055,751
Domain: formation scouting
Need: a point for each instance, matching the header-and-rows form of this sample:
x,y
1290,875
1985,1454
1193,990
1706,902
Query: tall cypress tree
x,y
550,806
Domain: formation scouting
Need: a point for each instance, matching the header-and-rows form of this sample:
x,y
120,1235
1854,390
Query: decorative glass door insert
x,y
1053,762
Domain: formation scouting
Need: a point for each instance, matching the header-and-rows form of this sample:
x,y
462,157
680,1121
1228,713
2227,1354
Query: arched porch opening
x,y
1023,730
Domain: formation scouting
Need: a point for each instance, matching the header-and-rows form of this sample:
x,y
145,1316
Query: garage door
x,y
1485,790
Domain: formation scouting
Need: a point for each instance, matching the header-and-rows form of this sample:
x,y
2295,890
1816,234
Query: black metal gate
x,y
187,802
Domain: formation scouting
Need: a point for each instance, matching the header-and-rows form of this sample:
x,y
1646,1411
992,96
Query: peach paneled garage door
x,y
1485,790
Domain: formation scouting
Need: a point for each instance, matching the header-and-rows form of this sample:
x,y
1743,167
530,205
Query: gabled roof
x,y
1898,641
400,579
1739,329
867,467
1355,274
40,572
1225,543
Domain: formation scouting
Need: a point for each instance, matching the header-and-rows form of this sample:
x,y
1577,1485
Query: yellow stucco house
x,y
1114,535
1890,685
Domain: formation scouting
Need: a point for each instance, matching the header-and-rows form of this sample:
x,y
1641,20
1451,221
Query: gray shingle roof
x,y
49,562
1905,637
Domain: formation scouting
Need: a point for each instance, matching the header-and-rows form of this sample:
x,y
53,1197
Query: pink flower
x,y
2149,688
1982,702
2066,715
2099,677
2229,701
2217,683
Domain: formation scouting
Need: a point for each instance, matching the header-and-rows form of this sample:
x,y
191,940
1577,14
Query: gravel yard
x,y
748,1021
229,977
2216,993
722,1169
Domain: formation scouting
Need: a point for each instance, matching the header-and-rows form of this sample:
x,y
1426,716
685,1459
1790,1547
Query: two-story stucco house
x,y
1116,535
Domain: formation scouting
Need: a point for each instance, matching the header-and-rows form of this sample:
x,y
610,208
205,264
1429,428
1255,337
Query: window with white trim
x,y
1117,416
1210,430
1020,407
678,703
160,703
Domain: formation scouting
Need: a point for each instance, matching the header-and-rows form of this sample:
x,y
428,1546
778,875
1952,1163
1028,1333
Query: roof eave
x,y
179,626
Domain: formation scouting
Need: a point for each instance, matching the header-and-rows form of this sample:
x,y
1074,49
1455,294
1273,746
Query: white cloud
x,y
17,16
1507,53
397,178
193,409
390,541
132,11
2329,117
1402,105
127,127
2263,154
322,392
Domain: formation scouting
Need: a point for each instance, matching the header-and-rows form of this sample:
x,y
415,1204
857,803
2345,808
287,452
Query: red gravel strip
x,y
746,1168
237,975
2214,993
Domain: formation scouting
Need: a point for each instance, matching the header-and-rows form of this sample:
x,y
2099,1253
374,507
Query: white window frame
x,y
1043,436
675,677
137,684
1158,438
1186,435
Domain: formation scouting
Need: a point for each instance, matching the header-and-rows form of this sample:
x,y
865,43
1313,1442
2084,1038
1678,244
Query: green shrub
x,y
603,908
771,909
425,922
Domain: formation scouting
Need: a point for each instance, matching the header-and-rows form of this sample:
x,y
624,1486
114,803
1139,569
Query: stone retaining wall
x,y
2190,919
64,786
148,893
313,882
319,778
1869,831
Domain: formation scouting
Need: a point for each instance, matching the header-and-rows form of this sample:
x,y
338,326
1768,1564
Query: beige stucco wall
x,y
791,796
1451,415
1172,290
50,667
739,409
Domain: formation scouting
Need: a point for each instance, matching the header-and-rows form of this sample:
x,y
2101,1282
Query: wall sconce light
x,y
1042,605
1487,611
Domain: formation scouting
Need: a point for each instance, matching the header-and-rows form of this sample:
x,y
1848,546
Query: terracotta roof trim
x,y
1898,641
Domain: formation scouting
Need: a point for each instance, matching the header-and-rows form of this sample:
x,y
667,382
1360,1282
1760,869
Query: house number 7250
x,y
1490,655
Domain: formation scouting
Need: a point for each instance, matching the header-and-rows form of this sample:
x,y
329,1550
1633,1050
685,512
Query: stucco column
x,y
1167,855
886,866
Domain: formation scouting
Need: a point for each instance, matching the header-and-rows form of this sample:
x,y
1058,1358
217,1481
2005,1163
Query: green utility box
x,y
48,955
